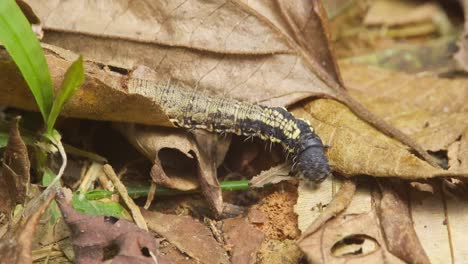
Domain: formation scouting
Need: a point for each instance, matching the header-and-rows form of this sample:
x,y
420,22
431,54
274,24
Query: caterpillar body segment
x,y
193,109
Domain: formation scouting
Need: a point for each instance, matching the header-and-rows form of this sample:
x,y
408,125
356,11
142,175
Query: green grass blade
x,y
72,81
21,43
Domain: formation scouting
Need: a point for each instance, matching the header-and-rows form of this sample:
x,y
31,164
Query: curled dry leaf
x,y
175,169
353,238
274,175
188,235
18,249
339,203
14,180
396,223
91,235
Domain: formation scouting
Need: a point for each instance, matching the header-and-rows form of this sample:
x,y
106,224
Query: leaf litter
x,y
356,147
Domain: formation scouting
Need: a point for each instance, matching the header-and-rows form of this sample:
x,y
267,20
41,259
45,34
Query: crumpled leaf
x,y
231,45
458,154
88,101
348,238
338,204
462,56
14,180
188,235
173,170
92,234
271,176
431,110
17,249
244,239
396,223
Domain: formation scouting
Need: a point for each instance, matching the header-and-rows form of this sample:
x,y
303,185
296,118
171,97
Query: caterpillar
x,y
193,109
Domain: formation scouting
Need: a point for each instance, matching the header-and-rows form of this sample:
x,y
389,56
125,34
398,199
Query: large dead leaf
x,y
276,54
243,238
188,235
177,168
92,235
396,223
14,180
227,47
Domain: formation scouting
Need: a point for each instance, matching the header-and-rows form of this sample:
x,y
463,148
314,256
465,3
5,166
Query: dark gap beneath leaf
x,y
175,162
145,252
442,156
354,245
110,252
110,219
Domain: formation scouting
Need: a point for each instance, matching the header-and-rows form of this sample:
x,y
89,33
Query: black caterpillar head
x,y
311,161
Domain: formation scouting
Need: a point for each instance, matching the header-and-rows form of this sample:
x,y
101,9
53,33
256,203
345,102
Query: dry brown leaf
x,y
188,235
348,238
225,47
396,223
17,249
92,234
431,94
14,180
354,148
388,12
339,203
173,170
458,154
273,175
279,252
462,56
101,97
243,239
240,55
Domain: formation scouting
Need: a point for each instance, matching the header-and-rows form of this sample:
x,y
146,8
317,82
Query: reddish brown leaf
x,y
188,235
18,248
14,181
91,235
243,239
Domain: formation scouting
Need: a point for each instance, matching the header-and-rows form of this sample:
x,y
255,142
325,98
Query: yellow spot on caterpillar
x,y
296,134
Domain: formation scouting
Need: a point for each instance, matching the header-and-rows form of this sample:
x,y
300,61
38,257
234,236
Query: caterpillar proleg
x,y
193,109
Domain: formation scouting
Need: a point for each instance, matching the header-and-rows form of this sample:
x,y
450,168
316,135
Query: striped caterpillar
x,y
193,109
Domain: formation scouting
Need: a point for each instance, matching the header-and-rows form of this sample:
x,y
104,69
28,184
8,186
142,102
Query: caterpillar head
x,y
311,161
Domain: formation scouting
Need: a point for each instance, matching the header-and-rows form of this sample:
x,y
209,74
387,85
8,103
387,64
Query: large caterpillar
x,y
193,109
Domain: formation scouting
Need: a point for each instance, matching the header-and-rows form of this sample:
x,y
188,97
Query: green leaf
x,y
3,139
72,81
98,194
81,204
21,43
53,209
48,177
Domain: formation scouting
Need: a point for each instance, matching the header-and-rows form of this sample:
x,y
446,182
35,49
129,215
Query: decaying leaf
x,y
254,40
17,248
14,180
353,238
243,239
178,157
462,56
339,203
188,235
273,175
396,223
92,235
